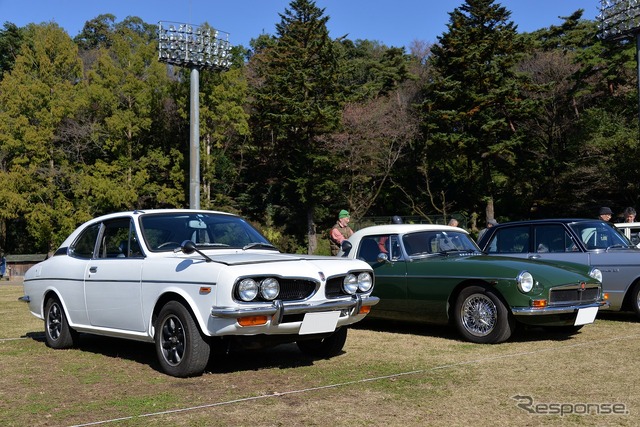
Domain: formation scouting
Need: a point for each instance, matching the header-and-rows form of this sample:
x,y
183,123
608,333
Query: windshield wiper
x,y
461,251
258,245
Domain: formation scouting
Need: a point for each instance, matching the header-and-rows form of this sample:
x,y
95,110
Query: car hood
x,y
500,266
240,257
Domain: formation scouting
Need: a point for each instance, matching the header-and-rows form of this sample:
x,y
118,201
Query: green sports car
x,y
437,274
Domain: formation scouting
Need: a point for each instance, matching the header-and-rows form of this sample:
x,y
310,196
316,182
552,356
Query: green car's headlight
x,y
525,281
596,274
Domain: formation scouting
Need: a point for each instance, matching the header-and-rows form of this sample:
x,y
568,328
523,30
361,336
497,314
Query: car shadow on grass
x,y
282,356
522,333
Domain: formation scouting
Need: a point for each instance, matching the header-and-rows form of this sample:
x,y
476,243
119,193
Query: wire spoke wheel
x,y
479,315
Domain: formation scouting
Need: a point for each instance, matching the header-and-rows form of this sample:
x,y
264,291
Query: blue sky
x,y
394,23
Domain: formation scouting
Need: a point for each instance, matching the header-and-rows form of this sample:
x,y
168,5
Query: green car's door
x,y
391,286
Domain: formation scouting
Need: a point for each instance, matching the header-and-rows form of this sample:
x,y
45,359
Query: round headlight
x,y
247,289
596,274
525,281
350,284
269,288
365,282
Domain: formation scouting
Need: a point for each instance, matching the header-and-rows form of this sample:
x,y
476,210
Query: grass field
x,y
391,375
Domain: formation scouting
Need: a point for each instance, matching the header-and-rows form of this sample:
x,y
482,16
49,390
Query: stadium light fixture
x,y
197,48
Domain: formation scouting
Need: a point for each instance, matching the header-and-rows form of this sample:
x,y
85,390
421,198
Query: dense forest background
x,y
485,122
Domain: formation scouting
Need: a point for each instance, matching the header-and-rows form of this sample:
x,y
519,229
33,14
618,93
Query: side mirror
x,y
346,247
188,247
382,257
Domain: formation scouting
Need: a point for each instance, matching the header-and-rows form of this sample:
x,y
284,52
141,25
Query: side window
x,y
551,238
510,240
390,245
119,240
85,244
369,249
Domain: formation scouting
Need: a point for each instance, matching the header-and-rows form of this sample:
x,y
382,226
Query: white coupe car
x,y
188,280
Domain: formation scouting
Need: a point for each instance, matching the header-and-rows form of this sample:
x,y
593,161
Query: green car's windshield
x,y
438,242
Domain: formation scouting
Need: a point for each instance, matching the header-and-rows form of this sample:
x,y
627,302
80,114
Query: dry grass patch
x,y
391,375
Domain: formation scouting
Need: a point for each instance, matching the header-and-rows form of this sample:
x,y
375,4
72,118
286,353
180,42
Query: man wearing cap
x,y
340,231
605,214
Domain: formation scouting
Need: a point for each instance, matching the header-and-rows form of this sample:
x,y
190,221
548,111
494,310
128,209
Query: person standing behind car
x,y
490,224
605,214
340,232
629,215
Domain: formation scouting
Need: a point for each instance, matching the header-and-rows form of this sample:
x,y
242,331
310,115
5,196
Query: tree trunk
x,y
490,214
311,233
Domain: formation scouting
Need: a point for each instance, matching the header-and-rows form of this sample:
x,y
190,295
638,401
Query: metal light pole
x,y
197,48
620,19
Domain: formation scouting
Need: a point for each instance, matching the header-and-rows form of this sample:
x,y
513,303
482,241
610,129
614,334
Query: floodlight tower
x,y
197,48
620,19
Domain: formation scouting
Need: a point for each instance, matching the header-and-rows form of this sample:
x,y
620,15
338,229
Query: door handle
x,y
93,269
534,257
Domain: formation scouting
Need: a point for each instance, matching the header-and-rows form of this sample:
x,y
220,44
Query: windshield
x,y
599,235
438,242
164,232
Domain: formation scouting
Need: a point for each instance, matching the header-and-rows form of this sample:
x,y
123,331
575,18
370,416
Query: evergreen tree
x,y
297,99
37,95
473,104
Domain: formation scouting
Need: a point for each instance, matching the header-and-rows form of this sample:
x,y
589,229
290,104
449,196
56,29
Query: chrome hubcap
x,y
479,315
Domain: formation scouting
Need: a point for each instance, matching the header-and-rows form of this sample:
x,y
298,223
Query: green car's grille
x,y
560,296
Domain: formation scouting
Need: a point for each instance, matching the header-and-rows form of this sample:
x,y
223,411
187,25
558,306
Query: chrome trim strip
x,y
281,308
531,311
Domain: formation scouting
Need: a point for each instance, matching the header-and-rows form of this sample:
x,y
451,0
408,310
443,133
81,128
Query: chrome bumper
x,y
278,309
532,311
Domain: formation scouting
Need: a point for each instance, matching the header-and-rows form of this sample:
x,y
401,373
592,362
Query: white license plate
x,y
317,323
586,315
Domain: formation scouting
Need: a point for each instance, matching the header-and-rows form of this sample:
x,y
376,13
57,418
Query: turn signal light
x,y
365,309
539,303
253,321
605,296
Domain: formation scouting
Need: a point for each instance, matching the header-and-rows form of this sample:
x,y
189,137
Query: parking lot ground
x,y
388,374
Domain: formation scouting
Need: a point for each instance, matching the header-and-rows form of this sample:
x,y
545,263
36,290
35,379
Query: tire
x,y
481,316
57,332
634,299
181,349
324,347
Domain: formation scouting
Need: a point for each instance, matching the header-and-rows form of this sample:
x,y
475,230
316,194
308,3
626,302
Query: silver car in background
x,y
586,241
